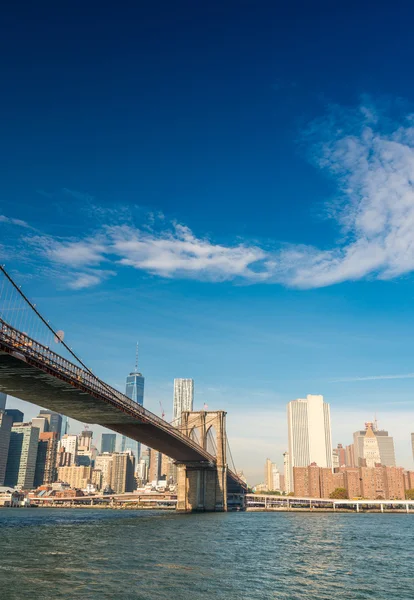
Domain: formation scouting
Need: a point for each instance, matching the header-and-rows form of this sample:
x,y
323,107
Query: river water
x,y
93,554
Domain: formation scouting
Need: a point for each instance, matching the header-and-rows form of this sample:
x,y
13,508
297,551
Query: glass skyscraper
x,y
134,389
108,443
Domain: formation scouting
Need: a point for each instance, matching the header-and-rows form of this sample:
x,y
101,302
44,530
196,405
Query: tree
x,y
339,494
409,494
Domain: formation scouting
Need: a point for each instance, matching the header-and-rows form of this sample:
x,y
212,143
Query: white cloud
x,y
370,158
180,252
80,281
11,221
374,378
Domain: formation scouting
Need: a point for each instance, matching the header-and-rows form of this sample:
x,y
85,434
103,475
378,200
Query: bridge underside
x,y
30,383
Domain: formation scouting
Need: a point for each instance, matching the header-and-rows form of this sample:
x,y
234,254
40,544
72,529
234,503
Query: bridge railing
x,y
27,347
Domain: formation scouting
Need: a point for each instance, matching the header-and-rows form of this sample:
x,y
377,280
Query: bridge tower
x,y
203,486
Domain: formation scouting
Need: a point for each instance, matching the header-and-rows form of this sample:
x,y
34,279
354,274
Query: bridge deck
x,y
36,374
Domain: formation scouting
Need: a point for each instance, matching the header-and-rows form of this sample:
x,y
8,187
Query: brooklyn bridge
x,y
57,379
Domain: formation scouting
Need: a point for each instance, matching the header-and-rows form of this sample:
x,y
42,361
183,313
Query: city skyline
x,y
276,440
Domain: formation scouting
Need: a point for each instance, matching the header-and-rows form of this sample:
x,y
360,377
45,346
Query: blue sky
x,y
231,185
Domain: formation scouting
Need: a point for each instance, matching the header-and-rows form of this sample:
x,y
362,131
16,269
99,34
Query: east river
x,y
92,554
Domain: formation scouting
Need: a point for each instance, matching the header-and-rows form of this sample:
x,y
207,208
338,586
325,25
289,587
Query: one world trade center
x,y
134,389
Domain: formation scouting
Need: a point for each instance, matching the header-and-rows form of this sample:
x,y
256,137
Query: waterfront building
x,y
309,433
122,476
134,389
76,477
183,398
3,399
21,460
70,445
103,463
385,446
54,420
46,470
6,422
372,483
329,481
408,480
16,415
282,483
108,442
335,460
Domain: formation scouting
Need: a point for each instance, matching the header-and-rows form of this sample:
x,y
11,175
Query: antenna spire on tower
x,y
136,359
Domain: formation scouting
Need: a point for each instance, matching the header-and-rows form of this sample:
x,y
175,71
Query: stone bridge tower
x,y
203,486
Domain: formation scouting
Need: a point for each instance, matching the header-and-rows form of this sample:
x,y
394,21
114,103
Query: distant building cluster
x,y
366,468
43,457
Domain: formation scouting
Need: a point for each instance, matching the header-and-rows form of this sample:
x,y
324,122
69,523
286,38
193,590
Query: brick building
x,y
374,483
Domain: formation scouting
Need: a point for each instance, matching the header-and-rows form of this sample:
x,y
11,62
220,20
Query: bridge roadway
x,y
33,372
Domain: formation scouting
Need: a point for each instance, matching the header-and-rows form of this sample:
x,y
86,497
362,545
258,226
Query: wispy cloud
x,y
11,221
82,196
369,156
80,281
373,378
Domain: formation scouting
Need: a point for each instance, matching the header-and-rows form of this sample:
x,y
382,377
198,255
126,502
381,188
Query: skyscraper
x,y
122,475
108,442
371,448
54,419
65,426
46,470
385,445
70,444
21,461
6,422
85,441
183,398
272,476
134,389
309,433
16,415
3,398
287,473
41,423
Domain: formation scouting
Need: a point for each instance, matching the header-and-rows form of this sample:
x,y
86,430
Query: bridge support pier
x,y
203,486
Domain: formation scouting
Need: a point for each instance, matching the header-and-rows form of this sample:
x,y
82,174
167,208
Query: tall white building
x,y
309,433
183,398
